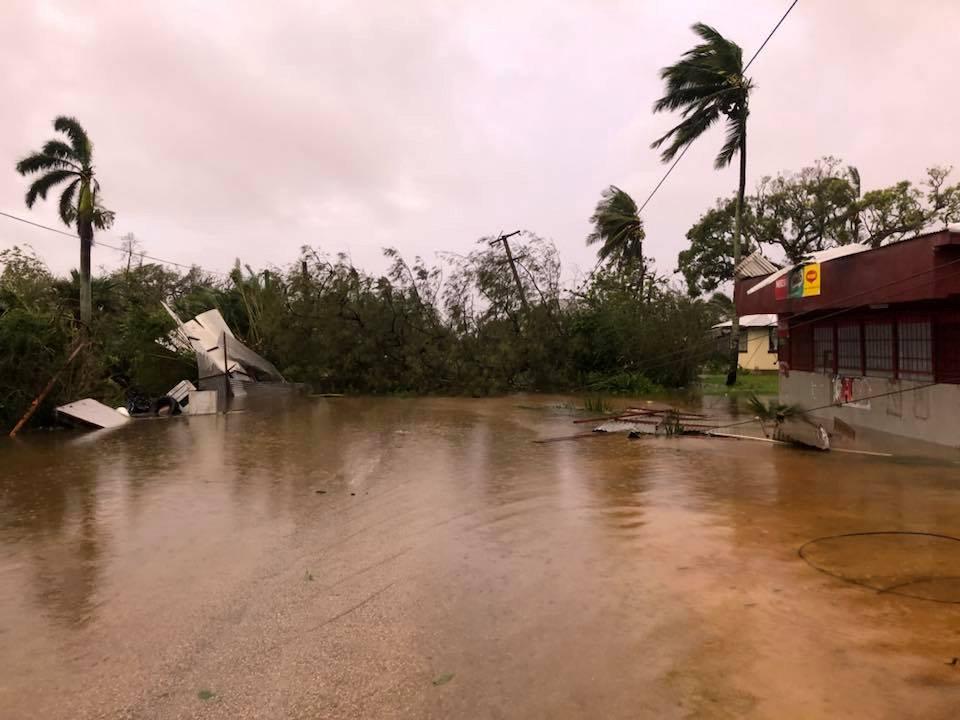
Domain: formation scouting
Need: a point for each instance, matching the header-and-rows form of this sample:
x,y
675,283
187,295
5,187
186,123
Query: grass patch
x,y
206,695
596,404
747,383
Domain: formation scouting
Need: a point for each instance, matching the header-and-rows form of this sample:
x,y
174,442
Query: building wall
x,y
758,356
930,413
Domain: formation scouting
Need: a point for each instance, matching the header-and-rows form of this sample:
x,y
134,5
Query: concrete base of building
x,y
913,409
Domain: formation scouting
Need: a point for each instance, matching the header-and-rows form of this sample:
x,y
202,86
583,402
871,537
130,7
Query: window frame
x,y
826,330
888,373
913,375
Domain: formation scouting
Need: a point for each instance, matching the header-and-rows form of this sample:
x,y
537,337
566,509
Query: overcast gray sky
x,y
248,129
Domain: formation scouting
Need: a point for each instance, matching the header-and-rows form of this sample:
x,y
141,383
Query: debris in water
x,y
92,413
442,679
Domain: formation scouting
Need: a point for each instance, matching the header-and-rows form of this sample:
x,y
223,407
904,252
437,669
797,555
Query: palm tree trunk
x,y
735,321
86,296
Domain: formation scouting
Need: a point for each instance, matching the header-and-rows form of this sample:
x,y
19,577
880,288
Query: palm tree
x,y
707,85
70,162
617,225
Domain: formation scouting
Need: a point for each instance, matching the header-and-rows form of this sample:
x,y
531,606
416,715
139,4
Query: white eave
x,y
752,321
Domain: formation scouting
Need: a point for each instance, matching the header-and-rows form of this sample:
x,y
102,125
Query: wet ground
x,y
355,558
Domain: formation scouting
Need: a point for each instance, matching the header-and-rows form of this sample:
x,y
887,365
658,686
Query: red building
x,y
872,333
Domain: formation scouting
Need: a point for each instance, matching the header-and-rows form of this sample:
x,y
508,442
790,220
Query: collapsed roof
x,y
217,349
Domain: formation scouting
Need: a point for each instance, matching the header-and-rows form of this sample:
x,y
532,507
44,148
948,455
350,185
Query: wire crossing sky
x,y
245,130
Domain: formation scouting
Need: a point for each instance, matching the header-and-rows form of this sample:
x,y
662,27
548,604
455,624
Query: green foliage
x,y
618,228
707,263
818,207
70,163
596,404
776,413
773,411
454,328
806,211
706,85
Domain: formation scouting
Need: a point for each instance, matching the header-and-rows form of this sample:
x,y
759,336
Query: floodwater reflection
x,y
330,558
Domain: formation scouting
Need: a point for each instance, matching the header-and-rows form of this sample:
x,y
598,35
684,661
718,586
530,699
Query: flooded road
x,y
393,558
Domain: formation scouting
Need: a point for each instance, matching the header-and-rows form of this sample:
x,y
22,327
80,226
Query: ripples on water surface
x,y
591,578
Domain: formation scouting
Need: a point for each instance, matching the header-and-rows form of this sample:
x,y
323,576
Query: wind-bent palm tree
x,y
707,85
617,225
72,163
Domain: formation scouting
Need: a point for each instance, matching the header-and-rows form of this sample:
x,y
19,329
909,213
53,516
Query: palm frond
x,y
617,225
40,186
61,151
686,132
68,209
79,140
735,130
102,218
39,161
705,84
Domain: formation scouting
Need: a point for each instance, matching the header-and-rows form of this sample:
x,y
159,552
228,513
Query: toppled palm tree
x,y
71,162
777,413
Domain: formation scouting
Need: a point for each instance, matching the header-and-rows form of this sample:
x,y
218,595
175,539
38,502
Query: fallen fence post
x,y
43,393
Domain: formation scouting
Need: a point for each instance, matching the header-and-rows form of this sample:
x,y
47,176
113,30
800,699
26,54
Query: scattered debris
x,y
202,402
206,694
181,393
43,393
91,413
218,351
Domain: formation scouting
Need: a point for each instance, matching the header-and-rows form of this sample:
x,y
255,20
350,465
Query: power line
x,y
745,68
113,247
706,345
775,28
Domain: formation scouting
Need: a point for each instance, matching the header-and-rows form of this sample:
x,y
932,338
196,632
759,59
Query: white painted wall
x,y
931,413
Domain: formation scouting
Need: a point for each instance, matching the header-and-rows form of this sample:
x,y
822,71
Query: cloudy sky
x,y
226,129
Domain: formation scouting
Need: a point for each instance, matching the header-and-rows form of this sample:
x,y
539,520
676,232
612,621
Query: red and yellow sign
x,y
801,282
811,280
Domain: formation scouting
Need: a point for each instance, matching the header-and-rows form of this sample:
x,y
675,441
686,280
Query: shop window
x,y
773,340
948,348
916,349
878,343
823,350
800,346
849,361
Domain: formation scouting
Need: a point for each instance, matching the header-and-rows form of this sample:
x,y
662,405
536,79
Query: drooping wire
x,y
114,247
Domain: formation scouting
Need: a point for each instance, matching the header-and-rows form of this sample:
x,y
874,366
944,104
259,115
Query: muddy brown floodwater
x,y
356,558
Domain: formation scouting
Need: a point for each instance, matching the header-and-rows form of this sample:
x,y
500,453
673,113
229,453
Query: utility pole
x,y
513,265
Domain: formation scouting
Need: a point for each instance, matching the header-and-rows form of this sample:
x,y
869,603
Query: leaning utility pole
x,y
513,265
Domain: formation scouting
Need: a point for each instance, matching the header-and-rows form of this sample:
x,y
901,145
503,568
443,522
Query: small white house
x,y
758,342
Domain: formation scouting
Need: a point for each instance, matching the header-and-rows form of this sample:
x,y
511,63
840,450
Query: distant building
x,y
872,334
758,342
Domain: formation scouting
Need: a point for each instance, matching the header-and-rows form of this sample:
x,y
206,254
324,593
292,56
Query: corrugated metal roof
x,y
754,265
752,321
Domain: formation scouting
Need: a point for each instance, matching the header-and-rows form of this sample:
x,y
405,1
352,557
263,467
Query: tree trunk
x,y
735,321
86,297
